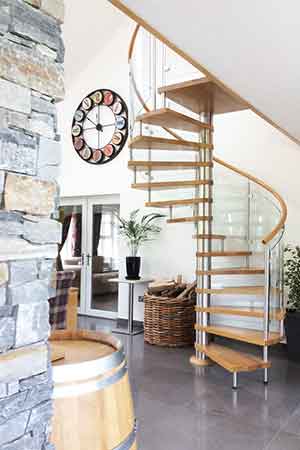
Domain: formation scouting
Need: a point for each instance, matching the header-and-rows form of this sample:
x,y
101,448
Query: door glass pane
x,y
70,250
105,257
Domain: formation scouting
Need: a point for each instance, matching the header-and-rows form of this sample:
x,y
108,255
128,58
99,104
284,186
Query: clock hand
x,y
91,121
109,125
87,129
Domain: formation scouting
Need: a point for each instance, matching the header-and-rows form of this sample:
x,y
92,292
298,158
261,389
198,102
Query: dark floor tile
x,y
293,424
180,408
284,441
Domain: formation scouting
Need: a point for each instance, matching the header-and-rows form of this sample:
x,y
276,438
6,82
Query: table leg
x,y
130,307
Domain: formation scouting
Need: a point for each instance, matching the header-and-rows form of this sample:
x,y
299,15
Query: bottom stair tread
x,y
232,360
255,337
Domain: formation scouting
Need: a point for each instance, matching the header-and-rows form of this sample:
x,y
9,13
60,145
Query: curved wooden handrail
x,y
283,213
132,42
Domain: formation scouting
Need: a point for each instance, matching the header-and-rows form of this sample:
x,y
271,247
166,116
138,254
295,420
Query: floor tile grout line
x,y
281,429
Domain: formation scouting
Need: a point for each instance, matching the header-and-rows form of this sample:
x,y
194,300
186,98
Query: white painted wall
x,y
97,38
104,64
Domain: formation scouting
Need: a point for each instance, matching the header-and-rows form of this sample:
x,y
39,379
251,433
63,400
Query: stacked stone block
x,y
31,82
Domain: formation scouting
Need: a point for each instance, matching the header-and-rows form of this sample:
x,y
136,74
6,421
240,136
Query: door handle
x,y
82,259
88,257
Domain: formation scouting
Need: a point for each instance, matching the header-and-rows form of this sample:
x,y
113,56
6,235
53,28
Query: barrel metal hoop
x,y
89,386
88,369
129,441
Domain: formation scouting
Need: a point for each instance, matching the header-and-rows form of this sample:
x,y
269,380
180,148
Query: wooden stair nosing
x,y
157,143
190,219
241,334
223,254
275,314
234,290
166,117
209,236
168,203
232,360
171,184
167,165
232,271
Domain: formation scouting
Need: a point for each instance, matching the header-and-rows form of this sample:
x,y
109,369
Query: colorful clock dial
x,y
100,126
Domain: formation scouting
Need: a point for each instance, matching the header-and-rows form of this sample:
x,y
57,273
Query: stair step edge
x,y
232,360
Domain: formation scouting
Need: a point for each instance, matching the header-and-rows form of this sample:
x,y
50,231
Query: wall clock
x,y
100,126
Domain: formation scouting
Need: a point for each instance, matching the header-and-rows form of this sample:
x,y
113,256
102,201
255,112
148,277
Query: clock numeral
x,y
76,130
79,115
78,143
120,123
117,138
108,150
97,97
86,153
87,103
108,98
97,155
117,107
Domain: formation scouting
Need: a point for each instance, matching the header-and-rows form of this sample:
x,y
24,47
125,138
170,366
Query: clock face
x,y
100,126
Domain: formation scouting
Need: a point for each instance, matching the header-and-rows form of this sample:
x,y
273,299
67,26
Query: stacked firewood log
x,y
172,289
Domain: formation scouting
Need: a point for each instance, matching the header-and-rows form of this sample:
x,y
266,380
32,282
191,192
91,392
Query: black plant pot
x,y
292,330
133,265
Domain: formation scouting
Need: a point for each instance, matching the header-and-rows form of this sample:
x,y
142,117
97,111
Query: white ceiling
x,y
252,46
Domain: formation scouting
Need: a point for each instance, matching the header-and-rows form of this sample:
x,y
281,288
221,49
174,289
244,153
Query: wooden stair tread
x,y
232,360
234,290
170,184
209,236
225,253
170,118
168,203
56,352
158,143
275,314
190,219
203,95
233,271
241,334
167,165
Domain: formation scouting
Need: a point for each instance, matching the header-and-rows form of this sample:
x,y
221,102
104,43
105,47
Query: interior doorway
x,y
90,248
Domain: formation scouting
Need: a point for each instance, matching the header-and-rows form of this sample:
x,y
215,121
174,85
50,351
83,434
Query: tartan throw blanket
x,y
58,304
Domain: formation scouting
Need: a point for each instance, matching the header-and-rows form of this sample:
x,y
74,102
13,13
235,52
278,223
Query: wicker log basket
x,y
169,319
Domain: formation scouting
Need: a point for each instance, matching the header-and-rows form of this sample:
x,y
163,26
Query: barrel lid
x,y
79,350
84,353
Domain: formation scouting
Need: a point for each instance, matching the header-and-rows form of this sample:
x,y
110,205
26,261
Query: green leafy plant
x,y
138,231
292,277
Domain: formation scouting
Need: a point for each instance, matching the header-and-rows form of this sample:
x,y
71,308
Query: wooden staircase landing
x,y
202,95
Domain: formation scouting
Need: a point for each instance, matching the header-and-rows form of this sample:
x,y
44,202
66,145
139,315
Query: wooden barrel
x,y
93,407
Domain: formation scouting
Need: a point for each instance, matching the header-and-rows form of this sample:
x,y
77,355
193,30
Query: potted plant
x,y
137,232
292,320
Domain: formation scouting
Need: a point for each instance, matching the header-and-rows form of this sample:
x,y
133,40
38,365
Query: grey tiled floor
x,y
178,409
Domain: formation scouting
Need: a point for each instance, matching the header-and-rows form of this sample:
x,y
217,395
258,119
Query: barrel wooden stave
x,y
89,417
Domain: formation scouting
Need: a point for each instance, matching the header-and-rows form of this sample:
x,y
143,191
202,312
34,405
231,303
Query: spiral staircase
x,y
251,267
